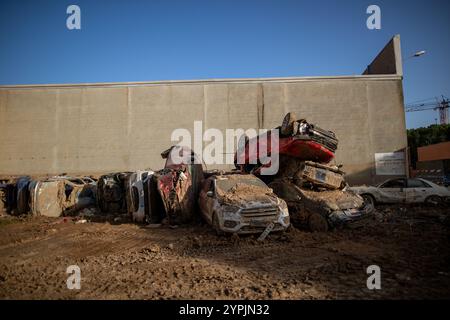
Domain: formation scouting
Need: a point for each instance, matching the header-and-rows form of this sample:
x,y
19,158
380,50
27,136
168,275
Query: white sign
x,y
390,164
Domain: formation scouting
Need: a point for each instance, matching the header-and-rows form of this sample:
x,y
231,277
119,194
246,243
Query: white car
x,y
402,190
135,194
241,203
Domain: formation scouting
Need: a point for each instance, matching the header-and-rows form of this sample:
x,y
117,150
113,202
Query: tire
x,y
368,199
287,126
216,225
317,223
433,201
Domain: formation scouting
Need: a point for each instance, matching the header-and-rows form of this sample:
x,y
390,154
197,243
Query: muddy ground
x,y
121,260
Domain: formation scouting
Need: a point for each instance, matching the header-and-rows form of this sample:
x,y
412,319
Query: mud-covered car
x,y
173,191
21,195
60,195
241,203
321,210
3,197
111,192
317,195
404,190
136,195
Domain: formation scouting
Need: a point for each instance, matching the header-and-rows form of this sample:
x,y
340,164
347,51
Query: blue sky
x,y
168,40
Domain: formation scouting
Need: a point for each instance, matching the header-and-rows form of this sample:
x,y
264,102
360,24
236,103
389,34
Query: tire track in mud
x,y
128,261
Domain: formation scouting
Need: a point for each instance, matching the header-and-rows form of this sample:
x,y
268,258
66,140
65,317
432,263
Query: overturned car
x,y
111,192
47,196
137,198
297,138
241,203
173,191
61,195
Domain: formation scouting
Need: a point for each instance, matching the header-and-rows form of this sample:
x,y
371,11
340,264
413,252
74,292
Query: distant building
x,y
434,161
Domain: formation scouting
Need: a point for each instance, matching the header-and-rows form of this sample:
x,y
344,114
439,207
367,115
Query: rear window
x,y
416,183
397,183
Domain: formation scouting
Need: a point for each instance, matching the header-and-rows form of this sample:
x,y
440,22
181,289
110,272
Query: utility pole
x,y
441,106
443,110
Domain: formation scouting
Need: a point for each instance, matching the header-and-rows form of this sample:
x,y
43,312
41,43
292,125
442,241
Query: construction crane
x,y
441,106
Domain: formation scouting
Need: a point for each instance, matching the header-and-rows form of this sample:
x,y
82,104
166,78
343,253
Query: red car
x,y
173,191
297,138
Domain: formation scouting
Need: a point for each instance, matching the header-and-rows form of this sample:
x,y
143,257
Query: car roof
x,y
427,181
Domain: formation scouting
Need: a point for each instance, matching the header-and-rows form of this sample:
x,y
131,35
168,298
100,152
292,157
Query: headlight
x,y
230,224
283,206
230,209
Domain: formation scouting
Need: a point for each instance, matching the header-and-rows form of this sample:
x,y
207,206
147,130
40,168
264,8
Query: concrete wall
x,y
97,128
389,60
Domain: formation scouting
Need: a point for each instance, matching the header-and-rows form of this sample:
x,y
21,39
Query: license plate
x,y
266,232
259,223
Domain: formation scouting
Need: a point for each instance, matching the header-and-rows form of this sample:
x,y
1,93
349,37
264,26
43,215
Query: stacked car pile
x,y
50,196
306,190
315,192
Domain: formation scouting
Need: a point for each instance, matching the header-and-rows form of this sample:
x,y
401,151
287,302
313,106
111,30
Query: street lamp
x,y
417,54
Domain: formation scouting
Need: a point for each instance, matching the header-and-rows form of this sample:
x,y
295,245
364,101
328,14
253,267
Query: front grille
x,y
260,212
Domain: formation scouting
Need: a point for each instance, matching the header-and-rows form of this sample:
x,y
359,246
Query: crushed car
x,y
16,195
111,192
173,191
297,138
136,195
320,210
241,203
60,195
315,192
317,196
404,191
3,196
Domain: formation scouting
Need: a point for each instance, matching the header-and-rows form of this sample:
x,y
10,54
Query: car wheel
x,y
216,225
368,199
317,223
287,127
433,201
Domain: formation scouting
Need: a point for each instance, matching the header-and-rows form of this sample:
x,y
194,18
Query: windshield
x,y
227,183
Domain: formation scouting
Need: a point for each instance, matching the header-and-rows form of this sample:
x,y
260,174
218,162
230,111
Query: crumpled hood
x,y
247,197
336,199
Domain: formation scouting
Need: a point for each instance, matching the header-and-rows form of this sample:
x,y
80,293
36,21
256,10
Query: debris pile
x,y
48,196
315,192
306,190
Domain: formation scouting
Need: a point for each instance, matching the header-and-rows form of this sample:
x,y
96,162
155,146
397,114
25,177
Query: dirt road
x,y
127,261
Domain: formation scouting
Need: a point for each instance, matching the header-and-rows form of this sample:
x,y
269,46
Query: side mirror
x,y
210,194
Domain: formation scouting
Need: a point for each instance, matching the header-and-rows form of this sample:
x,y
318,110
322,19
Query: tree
x,y
420,137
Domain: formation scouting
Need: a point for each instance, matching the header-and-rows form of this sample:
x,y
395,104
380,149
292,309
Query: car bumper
x,y
256,226
350,216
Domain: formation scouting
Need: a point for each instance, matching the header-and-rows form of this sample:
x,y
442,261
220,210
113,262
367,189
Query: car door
x,y
393,191
417,191
206,202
